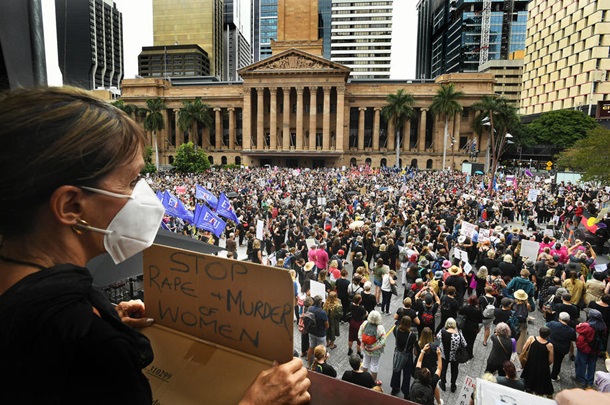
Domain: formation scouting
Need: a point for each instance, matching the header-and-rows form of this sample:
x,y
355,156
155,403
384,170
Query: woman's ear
x,y
66,204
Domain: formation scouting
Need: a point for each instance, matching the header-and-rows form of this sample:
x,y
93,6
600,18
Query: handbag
x,y
461,355
394,289
460,321
523,357
400,357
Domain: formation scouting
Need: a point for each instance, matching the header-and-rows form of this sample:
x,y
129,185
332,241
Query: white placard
x,y
484,235
548,232
600,267
467,268
529,249
466,391
311,242
467,229
460,254
537,179
488,393
532,195
317,288
260,225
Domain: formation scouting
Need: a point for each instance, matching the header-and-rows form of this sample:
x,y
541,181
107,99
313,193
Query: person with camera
x,y
424,389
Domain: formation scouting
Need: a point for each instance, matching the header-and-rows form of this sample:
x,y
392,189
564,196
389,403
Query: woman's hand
x,y
133,313
281,384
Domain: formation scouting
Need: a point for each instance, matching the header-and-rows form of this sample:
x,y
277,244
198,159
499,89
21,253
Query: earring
x,y
80,227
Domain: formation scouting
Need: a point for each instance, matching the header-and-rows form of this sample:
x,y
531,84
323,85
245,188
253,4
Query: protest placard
x,y
529,249
467,229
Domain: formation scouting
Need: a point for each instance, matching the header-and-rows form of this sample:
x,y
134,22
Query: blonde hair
x,y
319,352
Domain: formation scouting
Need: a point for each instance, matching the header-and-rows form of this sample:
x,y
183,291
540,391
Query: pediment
x,y
294,61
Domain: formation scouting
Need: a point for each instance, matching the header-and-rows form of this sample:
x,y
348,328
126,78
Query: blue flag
x,y
203,194
224,208
159,196
209,221
164,226
175,208
496,187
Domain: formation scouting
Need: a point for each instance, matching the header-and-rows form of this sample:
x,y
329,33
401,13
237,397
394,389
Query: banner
x,y
207,220
532,194
175,208
203,194
223,208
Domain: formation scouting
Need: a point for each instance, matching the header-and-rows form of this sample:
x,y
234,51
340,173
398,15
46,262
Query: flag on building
x,y
202,194
223,208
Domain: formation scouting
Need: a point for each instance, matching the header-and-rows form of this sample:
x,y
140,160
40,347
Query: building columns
x,y
218,125
391,135
406,135
326,119
231,128
340,113
179,135
376,128
313,111
246,133
457,122
260,118
286,120
273,118
299,140
422,130
361,111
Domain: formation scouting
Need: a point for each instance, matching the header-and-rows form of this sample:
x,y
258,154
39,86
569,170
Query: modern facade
x,y
267,26
178,22
173,61
566,56
361,37
324,25
508,75
452,34
238,53
90,43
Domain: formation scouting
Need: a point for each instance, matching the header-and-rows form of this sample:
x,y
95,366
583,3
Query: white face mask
x,y
135,226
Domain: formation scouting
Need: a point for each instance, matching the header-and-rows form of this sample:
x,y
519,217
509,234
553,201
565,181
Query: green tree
x,y
194,112
154,122
129,109
589,156
190,160
445,103
149,166
501,116
399,108
561,128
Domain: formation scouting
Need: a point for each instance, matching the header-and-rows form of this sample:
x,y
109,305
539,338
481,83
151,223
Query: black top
x,y
516,384
364,379
341,286
358,312
473,315
501,350
502,315
55,350
321,319
449,307
561,336
459,283
571,309
410,312
368,302
605,311
401,341
324,368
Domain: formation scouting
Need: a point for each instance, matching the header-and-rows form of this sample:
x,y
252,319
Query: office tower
x,y
458,36
297,27
90,43
169,61
238,53
361,37
177,22
324,25
566,56
267,26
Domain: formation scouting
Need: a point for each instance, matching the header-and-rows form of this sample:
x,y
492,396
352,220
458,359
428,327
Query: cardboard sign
x,y
460,254
484,235
240,305
260,226
317,288
532,194
488,393
529,249
311,242
467,229
466,391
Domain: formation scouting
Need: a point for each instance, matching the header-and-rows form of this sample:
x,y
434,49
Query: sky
x,y
138,32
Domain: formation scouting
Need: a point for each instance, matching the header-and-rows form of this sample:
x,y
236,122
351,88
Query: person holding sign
x,y
78,194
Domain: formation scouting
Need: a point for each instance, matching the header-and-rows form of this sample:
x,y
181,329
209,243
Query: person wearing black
x,y
566,306
473,317
562,336
501,349
406,310
368,300
457,280
449,307
357,262
424,389
341,286
508,269
511,380
503,313
320,365
405,340
356,375
358,315
426,308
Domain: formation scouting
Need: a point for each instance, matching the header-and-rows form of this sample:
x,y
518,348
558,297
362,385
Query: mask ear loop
x,y
80,227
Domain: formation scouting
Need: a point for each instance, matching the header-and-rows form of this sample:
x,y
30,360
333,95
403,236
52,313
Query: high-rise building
x,y
324,25
238,53
268,26
90,43
178,22
361,37
169,61
452,34
566,56
297,27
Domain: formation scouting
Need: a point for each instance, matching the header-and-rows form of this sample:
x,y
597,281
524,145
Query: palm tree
x,y
128,109
446,103
500,115
399,108
154,122
194,112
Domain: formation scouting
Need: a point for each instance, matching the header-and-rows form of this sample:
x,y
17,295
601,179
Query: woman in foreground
x,y
71,191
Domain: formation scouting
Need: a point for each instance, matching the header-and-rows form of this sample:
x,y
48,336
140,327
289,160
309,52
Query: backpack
x,y
515,326
307,322
427,318
437,265
369,334
598,344
490,309
521,312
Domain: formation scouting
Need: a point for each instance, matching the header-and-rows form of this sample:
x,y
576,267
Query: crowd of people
x,y
448,247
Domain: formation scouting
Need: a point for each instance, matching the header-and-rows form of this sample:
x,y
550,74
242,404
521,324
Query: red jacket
x,y
586,335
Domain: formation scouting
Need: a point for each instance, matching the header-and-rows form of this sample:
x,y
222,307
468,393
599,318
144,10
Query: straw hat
x,y
520,295
455,270
498,228
309,266
424,263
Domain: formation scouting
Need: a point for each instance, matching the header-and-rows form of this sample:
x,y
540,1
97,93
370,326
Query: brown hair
x,y
56,137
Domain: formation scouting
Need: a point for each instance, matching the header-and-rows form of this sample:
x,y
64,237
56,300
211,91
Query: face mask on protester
x,y
135,226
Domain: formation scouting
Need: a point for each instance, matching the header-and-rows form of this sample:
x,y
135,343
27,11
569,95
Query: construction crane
x,y
485,29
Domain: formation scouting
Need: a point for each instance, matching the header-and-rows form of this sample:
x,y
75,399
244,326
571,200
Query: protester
x,y
319,365
589,344
510,378
424,389
358,315
357,375
536,373
562,336
502,347
403,355
451,339
372,336
473,316
318,335
334,311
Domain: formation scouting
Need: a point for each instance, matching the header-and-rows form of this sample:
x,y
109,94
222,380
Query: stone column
x,y
391,135
273,118
406,135
260,118
218,122
376,128
299,140
246,132
326,119
231,128
177,129
163,140
313,111
340,116
422,130
361,111
286,119
457,122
